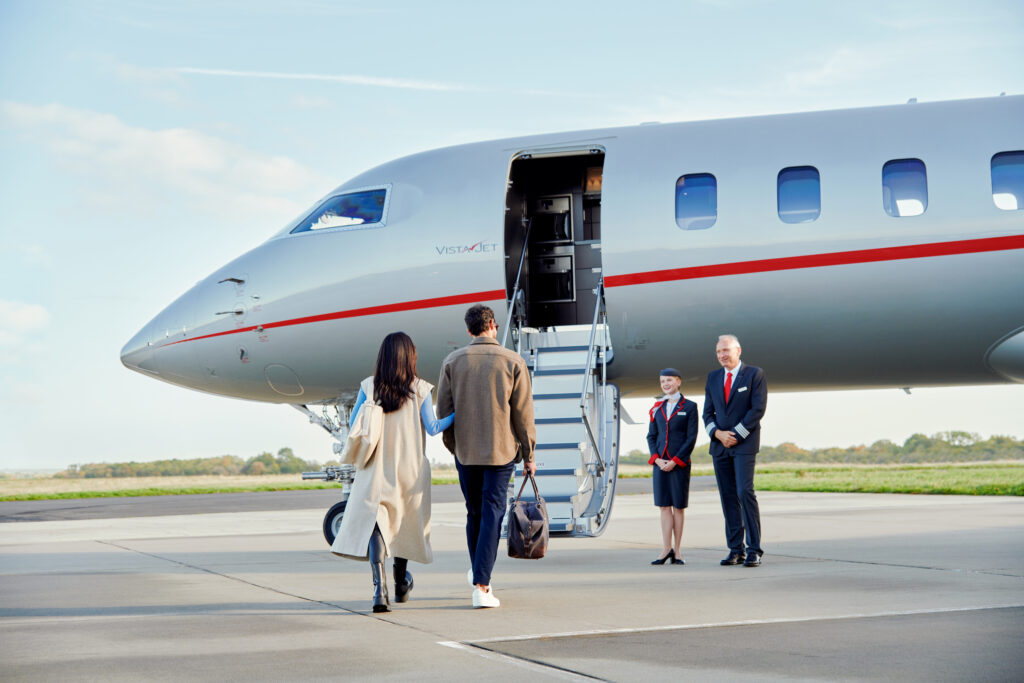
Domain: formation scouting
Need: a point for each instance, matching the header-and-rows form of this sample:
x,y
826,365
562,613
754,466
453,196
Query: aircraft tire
x,y
332,521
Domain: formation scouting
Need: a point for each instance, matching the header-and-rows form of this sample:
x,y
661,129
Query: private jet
x,y
859,248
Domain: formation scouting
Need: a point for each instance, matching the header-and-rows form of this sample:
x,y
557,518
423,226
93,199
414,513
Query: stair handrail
x,y
517,294
599,290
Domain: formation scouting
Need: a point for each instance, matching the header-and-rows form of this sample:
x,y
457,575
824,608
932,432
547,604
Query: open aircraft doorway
x,y
558,323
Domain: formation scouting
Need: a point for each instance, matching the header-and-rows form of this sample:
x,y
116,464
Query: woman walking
x,y
388,510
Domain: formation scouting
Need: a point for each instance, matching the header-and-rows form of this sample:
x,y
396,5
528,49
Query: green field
x,y
989,479
968,479
974,479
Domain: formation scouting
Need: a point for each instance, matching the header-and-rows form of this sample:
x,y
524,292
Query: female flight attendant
x,y
388,511
670,438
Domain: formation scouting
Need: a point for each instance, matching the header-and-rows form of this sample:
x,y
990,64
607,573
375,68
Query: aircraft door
x,y
553,235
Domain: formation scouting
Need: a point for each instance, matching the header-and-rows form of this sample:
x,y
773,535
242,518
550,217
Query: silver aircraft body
x,y
856,297
879,247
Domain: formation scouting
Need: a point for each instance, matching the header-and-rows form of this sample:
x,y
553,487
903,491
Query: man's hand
x,y
728,439
531,466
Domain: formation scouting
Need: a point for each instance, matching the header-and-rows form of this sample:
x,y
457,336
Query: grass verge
x,y
990,479
984,479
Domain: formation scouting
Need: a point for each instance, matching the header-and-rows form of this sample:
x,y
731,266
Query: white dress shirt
x,y
670,403
735,371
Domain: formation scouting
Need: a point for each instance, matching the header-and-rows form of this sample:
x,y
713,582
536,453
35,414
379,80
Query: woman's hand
x,y
665,464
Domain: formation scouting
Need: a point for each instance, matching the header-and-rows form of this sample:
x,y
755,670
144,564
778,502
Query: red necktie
x,y
728,385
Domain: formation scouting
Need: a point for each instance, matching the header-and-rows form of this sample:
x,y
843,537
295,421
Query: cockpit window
x,y
351,210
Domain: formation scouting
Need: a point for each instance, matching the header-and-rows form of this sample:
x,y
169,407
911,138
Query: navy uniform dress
x,y
671,436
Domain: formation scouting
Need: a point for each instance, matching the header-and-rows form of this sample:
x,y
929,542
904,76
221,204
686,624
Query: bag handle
x,y
529,477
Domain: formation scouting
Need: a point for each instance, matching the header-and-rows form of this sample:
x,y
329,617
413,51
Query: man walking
x,y
488,388
735,398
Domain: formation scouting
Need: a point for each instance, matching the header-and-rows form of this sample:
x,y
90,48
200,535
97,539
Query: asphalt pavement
x,y
853,587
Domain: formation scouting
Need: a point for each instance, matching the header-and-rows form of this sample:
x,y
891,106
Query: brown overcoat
x,y
488,387
393,491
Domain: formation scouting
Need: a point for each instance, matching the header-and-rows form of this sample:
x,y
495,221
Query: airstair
x,y
576,412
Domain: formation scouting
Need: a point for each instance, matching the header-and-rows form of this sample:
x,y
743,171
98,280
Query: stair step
x,y
557,460
558,446
563,486
566,407
560,383
572,431
566,335
557,349
573,371
549,472
554,499
566,357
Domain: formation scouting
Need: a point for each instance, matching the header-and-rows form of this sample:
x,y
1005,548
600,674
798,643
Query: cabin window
x,y
352,210
1008,180
799,194
696,201
904,187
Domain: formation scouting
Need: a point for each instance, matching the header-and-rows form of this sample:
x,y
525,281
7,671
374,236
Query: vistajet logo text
x,y
481,247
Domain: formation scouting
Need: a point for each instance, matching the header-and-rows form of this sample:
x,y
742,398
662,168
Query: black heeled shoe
x,y
678,559
662,560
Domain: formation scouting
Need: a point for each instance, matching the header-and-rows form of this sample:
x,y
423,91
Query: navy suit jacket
x,y
675,440
742,414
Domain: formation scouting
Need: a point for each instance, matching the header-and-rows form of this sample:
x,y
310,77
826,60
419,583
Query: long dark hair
x,y
395,372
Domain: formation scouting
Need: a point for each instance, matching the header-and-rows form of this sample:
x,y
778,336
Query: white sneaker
x,y
482,599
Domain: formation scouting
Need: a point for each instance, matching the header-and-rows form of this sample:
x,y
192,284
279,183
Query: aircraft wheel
x,y
332,521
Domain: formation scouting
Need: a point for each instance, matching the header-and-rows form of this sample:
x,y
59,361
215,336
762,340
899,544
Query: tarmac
x,y
853,587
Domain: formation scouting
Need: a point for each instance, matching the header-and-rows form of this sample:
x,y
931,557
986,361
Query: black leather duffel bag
x,y
528,524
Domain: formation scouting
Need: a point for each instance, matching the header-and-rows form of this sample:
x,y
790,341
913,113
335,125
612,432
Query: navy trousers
x,y
735,476
485,488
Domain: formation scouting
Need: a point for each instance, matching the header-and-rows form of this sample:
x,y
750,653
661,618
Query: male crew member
x,y
489,386
735,398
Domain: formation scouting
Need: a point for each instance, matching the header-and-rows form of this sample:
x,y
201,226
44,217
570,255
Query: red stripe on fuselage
x,y
474,297
840,258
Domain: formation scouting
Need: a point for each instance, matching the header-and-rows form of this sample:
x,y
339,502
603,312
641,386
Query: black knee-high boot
x,y
403,579
376,551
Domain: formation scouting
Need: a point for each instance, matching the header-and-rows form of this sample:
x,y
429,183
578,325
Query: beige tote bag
x,y
364,436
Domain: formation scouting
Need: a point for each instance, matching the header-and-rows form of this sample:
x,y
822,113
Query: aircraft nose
x,y
139,354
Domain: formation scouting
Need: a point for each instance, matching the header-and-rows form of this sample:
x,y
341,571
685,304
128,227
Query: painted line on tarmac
x,y
528,664
727,624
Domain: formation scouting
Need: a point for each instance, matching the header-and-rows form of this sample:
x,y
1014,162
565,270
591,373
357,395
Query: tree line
x,y
285,462
942,447
950,446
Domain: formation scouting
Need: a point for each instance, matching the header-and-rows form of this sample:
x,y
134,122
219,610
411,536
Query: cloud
x,y
375,81
17,322
126,167
17,317
159,84
350,79
308,102
843,65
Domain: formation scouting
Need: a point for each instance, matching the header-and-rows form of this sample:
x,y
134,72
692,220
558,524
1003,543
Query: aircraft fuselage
x,y
854,298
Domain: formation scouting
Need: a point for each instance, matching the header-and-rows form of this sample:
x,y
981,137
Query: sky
x,y
143,144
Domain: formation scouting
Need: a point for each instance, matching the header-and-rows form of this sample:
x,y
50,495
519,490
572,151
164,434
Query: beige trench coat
x,y
393,491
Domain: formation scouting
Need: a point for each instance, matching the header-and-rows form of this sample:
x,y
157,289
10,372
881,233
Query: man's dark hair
x,y
478,319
